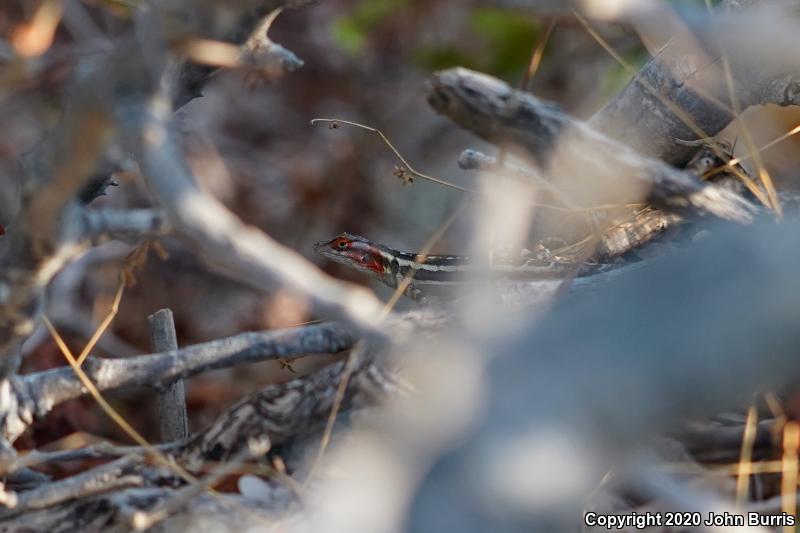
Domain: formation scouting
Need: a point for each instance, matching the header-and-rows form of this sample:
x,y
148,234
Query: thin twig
x,y
103,478
763,173
103,325
335,122
746,456
98,451
791,443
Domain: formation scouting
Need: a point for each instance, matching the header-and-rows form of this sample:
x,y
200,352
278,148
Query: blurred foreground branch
x,y
566,370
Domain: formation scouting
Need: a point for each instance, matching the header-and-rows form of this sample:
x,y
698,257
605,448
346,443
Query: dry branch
x,y
636,229
171,401
101,450
133,225
687,75
122,473
242,25
592,169
36,394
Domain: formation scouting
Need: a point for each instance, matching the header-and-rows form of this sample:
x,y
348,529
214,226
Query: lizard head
x,y
356,252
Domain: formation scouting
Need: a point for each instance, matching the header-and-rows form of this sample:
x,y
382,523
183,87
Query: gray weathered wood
x,y
171,400
687,78
35,395
591,168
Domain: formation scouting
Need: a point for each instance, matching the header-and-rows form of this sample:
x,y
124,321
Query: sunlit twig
x,y
35,38
791,442
104,325
746,456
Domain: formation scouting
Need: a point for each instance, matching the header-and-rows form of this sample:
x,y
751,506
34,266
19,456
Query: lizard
x,y
436,274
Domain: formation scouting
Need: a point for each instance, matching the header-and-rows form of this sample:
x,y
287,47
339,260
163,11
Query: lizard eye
x,y
341,244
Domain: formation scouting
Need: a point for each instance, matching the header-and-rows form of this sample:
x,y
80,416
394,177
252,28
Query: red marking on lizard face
x,y
353,250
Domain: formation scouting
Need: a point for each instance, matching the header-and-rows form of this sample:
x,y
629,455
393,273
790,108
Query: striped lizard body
x,y
436,274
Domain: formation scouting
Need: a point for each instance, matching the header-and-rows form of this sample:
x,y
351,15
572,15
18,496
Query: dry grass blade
x,y
791,443
763,173
104,325
350,365
745,458
775,407
111,412
760,467
531,69
770,144
536,56
736,160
